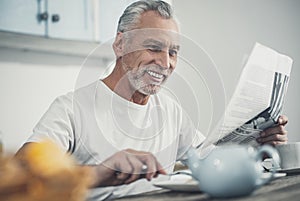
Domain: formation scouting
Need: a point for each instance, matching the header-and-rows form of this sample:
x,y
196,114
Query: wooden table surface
x,y
281,189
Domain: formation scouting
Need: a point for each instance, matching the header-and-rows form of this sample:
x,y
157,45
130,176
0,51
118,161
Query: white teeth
x,y
156,75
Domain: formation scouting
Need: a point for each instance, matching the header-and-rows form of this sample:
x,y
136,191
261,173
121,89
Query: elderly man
x,y
124,111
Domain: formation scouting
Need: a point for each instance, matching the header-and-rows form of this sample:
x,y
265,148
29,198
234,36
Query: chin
x,y
150,90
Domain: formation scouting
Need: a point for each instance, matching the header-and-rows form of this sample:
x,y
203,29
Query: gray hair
x,y
132,14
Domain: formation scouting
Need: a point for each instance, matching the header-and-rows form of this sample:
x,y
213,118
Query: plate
x,y
189,185
185,183
179,182
278,175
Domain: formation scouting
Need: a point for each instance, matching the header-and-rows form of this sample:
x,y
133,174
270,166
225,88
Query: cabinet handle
x,y
55,18
43,16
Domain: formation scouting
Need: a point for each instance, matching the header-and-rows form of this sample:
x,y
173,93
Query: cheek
x,y
173,64
145,57
135,59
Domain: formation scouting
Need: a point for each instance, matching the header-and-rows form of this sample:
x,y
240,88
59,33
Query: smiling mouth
x,y
155,74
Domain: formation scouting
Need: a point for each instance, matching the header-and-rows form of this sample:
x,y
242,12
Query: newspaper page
x,y
258,99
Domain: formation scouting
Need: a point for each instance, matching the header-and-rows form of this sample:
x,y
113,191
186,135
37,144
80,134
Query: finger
x,y
161,170
153,166
143,157
274,143
279,129
282,120
273,138
123,168
158,170
150,161
136,165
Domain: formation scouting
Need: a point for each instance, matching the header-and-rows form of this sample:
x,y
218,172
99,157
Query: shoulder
x,y
86,90
67,100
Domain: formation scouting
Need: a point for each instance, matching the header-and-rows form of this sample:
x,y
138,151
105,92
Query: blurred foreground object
x,y
42,172
1,143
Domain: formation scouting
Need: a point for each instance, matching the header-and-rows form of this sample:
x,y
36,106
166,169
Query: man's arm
x,y
275,135
123,167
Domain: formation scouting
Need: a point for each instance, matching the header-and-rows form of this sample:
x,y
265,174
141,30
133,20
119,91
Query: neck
x,y
117,81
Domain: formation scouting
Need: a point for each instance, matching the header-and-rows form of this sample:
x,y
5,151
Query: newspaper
x,y
258,99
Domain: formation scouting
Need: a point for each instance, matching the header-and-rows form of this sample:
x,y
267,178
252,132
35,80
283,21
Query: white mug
x,y
290,155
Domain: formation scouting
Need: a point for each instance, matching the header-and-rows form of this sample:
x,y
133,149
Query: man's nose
x,y
163,59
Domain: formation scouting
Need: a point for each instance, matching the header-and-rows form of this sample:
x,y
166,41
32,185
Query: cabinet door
x,y
74,19
109,12
22,16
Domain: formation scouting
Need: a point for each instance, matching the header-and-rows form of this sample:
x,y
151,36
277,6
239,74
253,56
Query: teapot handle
x,y
271,152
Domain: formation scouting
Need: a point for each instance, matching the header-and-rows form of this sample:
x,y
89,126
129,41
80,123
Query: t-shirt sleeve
x,y
189,136
57,124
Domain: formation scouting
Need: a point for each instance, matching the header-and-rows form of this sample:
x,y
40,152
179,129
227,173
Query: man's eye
x,y
173,52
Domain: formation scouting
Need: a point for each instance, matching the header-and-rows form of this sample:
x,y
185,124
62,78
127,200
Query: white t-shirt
x,y
93,123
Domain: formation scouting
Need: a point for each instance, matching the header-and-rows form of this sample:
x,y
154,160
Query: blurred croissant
x,y
42,172
47,159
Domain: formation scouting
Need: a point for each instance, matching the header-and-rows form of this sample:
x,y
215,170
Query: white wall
x,y
27,90
228,29
30,81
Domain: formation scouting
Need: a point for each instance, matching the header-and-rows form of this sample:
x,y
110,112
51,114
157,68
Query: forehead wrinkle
x,y
153,41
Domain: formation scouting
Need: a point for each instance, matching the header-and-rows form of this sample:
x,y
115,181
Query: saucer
x,y
179,182
189,185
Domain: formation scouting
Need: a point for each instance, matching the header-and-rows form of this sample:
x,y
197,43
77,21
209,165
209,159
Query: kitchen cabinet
x,y
109,12
22,16
71,19
65,19
84,20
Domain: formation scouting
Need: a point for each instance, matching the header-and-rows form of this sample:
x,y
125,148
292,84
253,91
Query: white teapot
x,y
230,171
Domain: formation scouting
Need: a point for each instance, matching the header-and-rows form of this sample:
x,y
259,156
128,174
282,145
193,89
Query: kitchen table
x,y
281,189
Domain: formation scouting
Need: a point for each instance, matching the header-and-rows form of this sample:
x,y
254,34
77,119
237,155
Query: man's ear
x,y
118,45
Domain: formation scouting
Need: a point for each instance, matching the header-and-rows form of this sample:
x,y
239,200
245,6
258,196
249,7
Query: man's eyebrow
x,y
175,47
159,43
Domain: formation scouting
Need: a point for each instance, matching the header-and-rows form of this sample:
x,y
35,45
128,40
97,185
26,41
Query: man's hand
x,y
275,135
125,167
